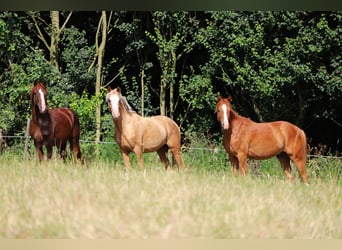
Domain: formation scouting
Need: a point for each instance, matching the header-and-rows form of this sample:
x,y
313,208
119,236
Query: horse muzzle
x,y
225,125
115,115
42,109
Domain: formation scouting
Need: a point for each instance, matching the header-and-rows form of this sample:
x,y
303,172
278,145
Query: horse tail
x,y
76,120
305,145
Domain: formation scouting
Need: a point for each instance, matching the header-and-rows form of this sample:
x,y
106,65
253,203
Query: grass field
x,y
61,200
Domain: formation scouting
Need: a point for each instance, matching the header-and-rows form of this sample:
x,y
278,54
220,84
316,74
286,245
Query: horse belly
x,y
265,145
153,137
151,143
63,126
263,152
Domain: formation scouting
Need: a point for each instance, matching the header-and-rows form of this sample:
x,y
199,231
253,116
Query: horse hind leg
x,y
75,148
177,156
284,160
62,150
300,161
163,157
298,154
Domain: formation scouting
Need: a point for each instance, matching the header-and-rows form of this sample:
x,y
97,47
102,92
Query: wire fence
x,y
27,140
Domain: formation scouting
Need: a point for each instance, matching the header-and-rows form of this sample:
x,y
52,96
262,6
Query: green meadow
x,y
58,199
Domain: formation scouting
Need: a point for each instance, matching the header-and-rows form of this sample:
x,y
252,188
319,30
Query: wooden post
x,y
27,139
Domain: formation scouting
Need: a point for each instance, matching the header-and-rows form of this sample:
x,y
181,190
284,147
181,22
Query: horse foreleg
x,y
285,164
140,159
125,156
235,164
242,158
49,151
40,153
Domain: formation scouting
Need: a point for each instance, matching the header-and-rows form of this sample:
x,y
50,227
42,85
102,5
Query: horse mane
x,y
126,104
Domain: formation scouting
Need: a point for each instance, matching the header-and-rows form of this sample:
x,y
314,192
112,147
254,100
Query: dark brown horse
x,y
52,127
243,138
137,134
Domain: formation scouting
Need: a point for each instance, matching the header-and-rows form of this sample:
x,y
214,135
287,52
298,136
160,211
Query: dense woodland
x,y
276,66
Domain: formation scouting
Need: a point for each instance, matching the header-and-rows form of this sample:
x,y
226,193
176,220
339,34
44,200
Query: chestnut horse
x,y
137,134
52,127
243,138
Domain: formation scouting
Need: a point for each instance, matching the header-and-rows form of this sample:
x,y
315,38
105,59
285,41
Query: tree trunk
x,y
172,82
56,31
162,92
99,77
142,89
55,34
257,110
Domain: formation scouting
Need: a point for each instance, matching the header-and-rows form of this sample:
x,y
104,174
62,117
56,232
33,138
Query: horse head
x,y
38,96
113,98
223,109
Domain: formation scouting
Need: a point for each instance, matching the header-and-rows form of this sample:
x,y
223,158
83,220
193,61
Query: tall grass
x,y
102,200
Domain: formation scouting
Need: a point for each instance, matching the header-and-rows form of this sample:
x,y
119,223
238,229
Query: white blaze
x,y
42,100
114,102
225,124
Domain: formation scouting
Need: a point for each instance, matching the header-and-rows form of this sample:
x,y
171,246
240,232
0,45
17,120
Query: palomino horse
x,y
137,134
243,138
52,127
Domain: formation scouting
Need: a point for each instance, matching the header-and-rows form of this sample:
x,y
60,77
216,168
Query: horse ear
x,y
41,82
219,97
230,98
118,89
109,89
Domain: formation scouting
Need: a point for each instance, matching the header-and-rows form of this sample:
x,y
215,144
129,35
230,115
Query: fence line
x,y
215,150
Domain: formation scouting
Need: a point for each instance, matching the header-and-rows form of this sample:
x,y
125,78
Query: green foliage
x,y
77,57
325,168
196,93
277,60
276,65
133,93
85,107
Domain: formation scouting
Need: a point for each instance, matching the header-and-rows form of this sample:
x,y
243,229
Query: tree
x,y
171,30
276,65
103,28
54,31
133,26
269,58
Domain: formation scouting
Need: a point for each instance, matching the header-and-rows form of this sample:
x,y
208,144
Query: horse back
x,y
169,125
262,140
289,137
159,130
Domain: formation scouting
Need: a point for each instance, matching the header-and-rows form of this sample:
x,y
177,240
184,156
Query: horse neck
x,y
234,122
233,116
38,118
125,119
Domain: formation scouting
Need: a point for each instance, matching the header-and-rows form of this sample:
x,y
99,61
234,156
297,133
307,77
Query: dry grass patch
x,y
59,200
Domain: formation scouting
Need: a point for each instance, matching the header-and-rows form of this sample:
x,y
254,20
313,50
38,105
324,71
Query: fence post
x,y
27,138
